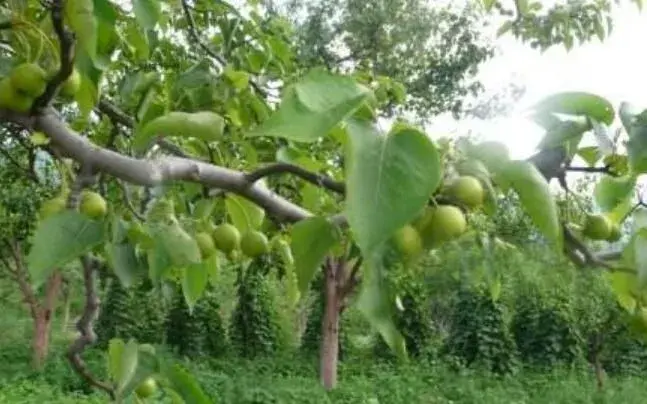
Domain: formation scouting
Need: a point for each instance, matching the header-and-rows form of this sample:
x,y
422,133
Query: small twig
x,y
67,40
128,201
313,178
603,170
193,31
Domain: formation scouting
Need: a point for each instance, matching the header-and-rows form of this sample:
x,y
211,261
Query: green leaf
x,y
488,4
124,262
601,134
88,95
159,262
612,191
60,239
311,240
204,125
623,285
536,198
147,12
578,103
244,214
636,126
127,365
590,155
182,249
375,303
185,385
563,132
116,348
504,28
105,11
79,16
522,6
194,282
640,255
238,78
312,107
389,180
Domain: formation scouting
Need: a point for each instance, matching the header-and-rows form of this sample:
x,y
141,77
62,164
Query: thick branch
x,y
156,172
313,178
66,40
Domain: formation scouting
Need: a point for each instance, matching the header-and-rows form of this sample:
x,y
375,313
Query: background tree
x,y
433,50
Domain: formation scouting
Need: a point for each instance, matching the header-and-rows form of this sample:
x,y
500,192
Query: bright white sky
x,y
614,69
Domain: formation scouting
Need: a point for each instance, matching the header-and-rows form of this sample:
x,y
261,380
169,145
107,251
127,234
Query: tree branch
x,y
313,178
160,171
603,170
128,201
193,32
85,327
118,116
66,40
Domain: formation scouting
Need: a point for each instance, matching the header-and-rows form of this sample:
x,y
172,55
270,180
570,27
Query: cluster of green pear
x,y
442,222
28,81
227,238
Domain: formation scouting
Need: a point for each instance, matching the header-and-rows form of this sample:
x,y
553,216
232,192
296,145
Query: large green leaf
x,y
612,191
590,155
578,103
244,214
311,240
181,248
79,16
640,255
116,348
147,12
127,365
124,262
60,239
312,107
624,286
389,180
159,262
562,133
376,304
536,198
194,281
185,385
204,125
636,126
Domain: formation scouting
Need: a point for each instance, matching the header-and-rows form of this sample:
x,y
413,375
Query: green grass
x,y
294,380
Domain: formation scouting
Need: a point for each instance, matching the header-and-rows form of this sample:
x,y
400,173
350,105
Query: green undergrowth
x,y
290,380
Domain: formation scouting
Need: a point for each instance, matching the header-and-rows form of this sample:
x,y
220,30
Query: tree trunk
x,y
40,339
65,322
330,331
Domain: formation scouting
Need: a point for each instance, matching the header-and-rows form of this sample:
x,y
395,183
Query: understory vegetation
x,y
494,328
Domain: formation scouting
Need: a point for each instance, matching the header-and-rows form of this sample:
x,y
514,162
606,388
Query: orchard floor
x,y
292,381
